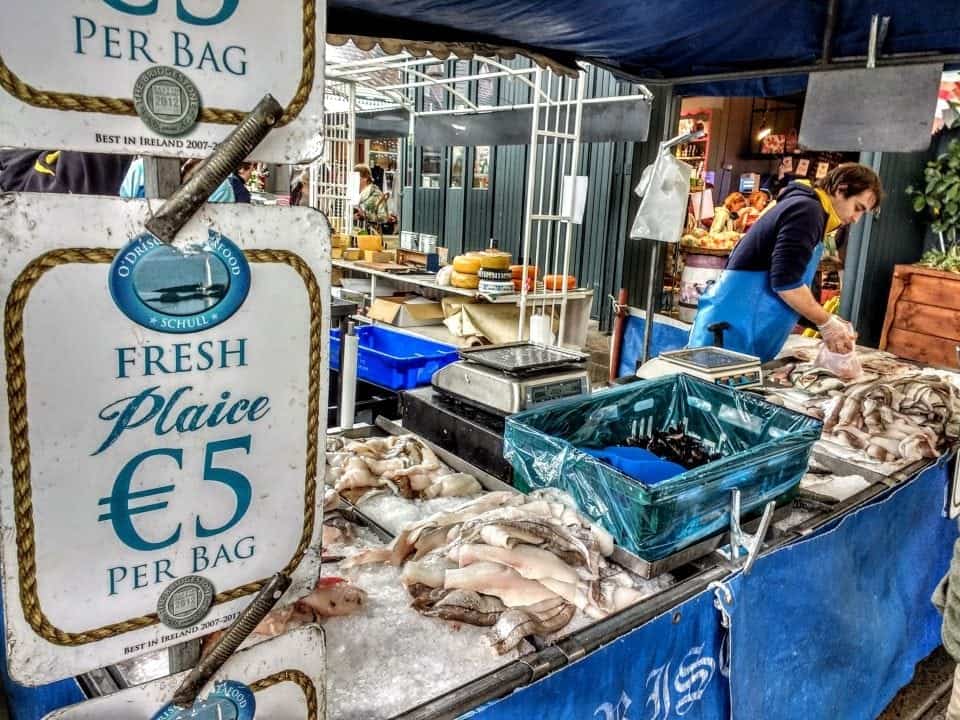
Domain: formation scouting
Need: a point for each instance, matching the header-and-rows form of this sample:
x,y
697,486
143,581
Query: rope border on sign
x,y
299,679
77,102
20,441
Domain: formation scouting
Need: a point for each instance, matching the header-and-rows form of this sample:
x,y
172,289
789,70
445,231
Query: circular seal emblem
x,y
163,288
185,602
230,700
166,100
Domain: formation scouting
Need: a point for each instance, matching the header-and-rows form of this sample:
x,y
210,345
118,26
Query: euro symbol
x,y
119,502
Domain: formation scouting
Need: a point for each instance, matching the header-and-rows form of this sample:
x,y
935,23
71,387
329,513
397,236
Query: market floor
x,y
925,698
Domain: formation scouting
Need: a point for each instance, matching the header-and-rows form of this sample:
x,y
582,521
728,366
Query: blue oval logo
x,y
164,289
230,700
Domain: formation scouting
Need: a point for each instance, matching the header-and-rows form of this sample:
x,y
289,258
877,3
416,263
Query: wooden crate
x,y
923,316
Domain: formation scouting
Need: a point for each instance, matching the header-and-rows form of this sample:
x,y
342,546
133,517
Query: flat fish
x,y
540,619
468,607
334,596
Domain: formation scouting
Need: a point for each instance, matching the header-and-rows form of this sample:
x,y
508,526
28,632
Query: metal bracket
x,y
743,541
878,34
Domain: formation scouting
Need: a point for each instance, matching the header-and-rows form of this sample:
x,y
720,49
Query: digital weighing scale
x,y
513,377
713,364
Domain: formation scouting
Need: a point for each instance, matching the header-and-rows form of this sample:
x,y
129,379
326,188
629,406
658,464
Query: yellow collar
x,y
833,220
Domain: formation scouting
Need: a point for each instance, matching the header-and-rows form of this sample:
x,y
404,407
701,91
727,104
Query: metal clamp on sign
x,y
187,199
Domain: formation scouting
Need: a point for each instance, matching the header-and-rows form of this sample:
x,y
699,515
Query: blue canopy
x,y
653,39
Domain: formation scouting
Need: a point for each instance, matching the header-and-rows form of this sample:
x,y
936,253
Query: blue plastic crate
x,y
393,359
765,449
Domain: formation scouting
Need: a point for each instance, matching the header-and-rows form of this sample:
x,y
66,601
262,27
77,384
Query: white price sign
x,y
163,417
69,74
285,677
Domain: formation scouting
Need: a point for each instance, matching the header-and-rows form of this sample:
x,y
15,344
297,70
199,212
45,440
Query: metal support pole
x,y
528,209
656,258
574,170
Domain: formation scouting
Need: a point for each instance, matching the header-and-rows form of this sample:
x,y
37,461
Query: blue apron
x,y
760,322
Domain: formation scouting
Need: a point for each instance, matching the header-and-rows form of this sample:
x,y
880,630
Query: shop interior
x,y
748,153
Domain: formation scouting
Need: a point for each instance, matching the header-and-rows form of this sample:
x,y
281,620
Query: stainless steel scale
x,y
713,364
513,377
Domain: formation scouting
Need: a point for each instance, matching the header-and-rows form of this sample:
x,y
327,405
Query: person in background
x,y
765,287
238,182
757,201
371,208
134,183
61,171
726,216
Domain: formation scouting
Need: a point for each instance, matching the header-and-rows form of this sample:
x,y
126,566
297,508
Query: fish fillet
x,y
498,580
531,562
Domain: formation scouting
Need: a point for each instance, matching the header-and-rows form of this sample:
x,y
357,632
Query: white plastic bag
x,y
843,365
444,275
664,188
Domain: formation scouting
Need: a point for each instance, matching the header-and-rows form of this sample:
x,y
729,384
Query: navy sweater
x,y
783,240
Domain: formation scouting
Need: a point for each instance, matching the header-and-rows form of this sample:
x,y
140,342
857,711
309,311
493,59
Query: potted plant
x,y
939,200
924,300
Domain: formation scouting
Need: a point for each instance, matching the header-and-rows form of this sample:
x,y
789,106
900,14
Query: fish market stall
x,y
850,551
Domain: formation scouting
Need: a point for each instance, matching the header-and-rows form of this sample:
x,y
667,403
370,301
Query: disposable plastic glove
x,y
838,335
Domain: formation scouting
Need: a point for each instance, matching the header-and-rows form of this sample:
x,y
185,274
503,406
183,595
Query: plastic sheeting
x,y
764,448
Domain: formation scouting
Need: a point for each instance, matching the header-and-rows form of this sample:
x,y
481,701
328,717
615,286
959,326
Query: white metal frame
x,y
554,155
329,175
557,107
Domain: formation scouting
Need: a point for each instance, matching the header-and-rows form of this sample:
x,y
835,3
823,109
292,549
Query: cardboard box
x,y
352,254
406,311
378,256
336,253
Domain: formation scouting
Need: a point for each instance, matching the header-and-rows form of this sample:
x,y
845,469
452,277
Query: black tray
x,y
522,357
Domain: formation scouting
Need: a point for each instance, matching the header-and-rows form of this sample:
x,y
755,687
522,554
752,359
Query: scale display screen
x,y
554,391
708,358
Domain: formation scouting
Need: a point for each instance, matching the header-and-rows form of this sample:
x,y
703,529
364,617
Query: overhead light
x,y
764,132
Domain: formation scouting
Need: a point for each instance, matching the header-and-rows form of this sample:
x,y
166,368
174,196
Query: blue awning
x,y
652,39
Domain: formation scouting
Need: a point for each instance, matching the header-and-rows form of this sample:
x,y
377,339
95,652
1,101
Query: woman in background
x,y
726,216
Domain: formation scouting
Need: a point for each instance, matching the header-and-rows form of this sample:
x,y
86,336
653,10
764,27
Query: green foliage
x,y
940,196
940,260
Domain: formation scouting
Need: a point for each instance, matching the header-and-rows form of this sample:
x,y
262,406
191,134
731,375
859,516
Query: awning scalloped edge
x,y
443,50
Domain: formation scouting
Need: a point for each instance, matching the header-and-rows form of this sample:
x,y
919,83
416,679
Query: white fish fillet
x,y
498,580
429,571
452,486
531,562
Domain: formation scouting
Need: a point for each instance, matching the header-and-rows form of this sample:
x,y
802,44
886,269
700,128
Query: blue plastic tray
x,y
764,448
392,359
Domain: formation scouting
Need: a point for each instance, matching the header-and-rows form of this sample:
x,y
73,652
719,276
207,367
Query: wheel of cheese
x,y
555,282
518,284
517,271
493,260
466,264
465,281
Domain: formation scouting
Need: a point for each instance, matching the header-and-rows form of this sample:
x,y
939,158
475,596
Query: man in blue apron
x,y
766,284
